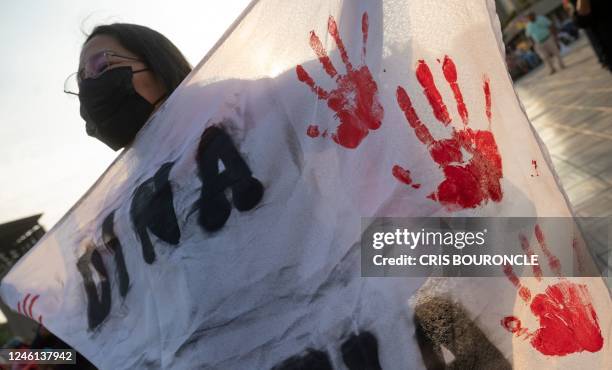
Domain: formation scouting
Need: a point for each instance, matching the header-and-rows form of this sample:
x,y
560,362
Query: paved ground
x,y
572,111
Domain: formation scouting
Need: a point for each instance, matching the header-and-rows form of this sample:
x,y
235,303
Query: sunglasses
x,y
94,67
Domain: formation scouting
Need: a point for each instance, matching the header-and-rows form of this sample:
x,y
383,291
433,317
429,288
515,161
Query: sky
x,y
47,161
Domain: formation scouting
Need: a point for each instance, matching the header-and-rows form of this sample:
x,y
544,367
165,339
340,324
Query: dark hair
x,y
161,56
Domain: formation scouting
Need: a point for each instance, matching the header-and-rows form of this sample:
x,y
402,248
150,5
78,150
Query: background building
x,y
16,239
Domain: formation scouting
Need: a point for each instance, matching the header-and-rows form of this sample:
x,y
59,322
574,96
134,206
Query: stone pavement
x,y
572,112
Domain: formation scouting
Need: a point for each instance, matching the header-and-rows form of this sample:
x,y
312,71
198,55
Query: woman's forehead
x,y
100,43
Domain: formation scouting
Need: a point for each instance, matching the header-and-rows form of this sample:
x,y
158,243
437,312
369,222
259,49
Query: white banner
x,y
227,236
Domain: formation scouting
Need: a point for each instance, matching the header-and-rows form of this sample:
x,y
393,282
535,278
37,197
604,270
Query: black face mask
x,y
112,109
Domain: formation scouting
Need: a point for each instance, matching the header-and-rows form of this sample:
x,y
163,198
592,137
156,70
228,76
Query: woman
x,y
125,72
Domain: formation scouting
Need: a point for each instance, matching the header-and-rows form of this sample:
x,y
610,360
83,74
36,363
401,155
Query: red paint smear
x,y
403,175
426,80
523,291
364,30
511,323
487,93
568,322
354,100
534,163
537,270
421,131
511,275
579,257
332,28
553,261
468,183
324,134
25,304
305,77
313,131
317,46
450,73
32,305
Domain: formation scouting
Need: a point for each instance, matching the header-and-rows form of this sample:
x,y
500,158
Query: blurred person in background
x,y
523,51
541,30
595,17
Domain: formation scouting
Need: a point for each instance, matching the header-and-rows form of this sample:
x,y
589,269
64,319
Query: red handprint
x,y
568,322
469,182
25,307
355,99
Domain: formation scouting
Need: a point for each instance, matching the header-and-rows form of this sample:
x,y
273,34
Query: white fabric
x,y
285,276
